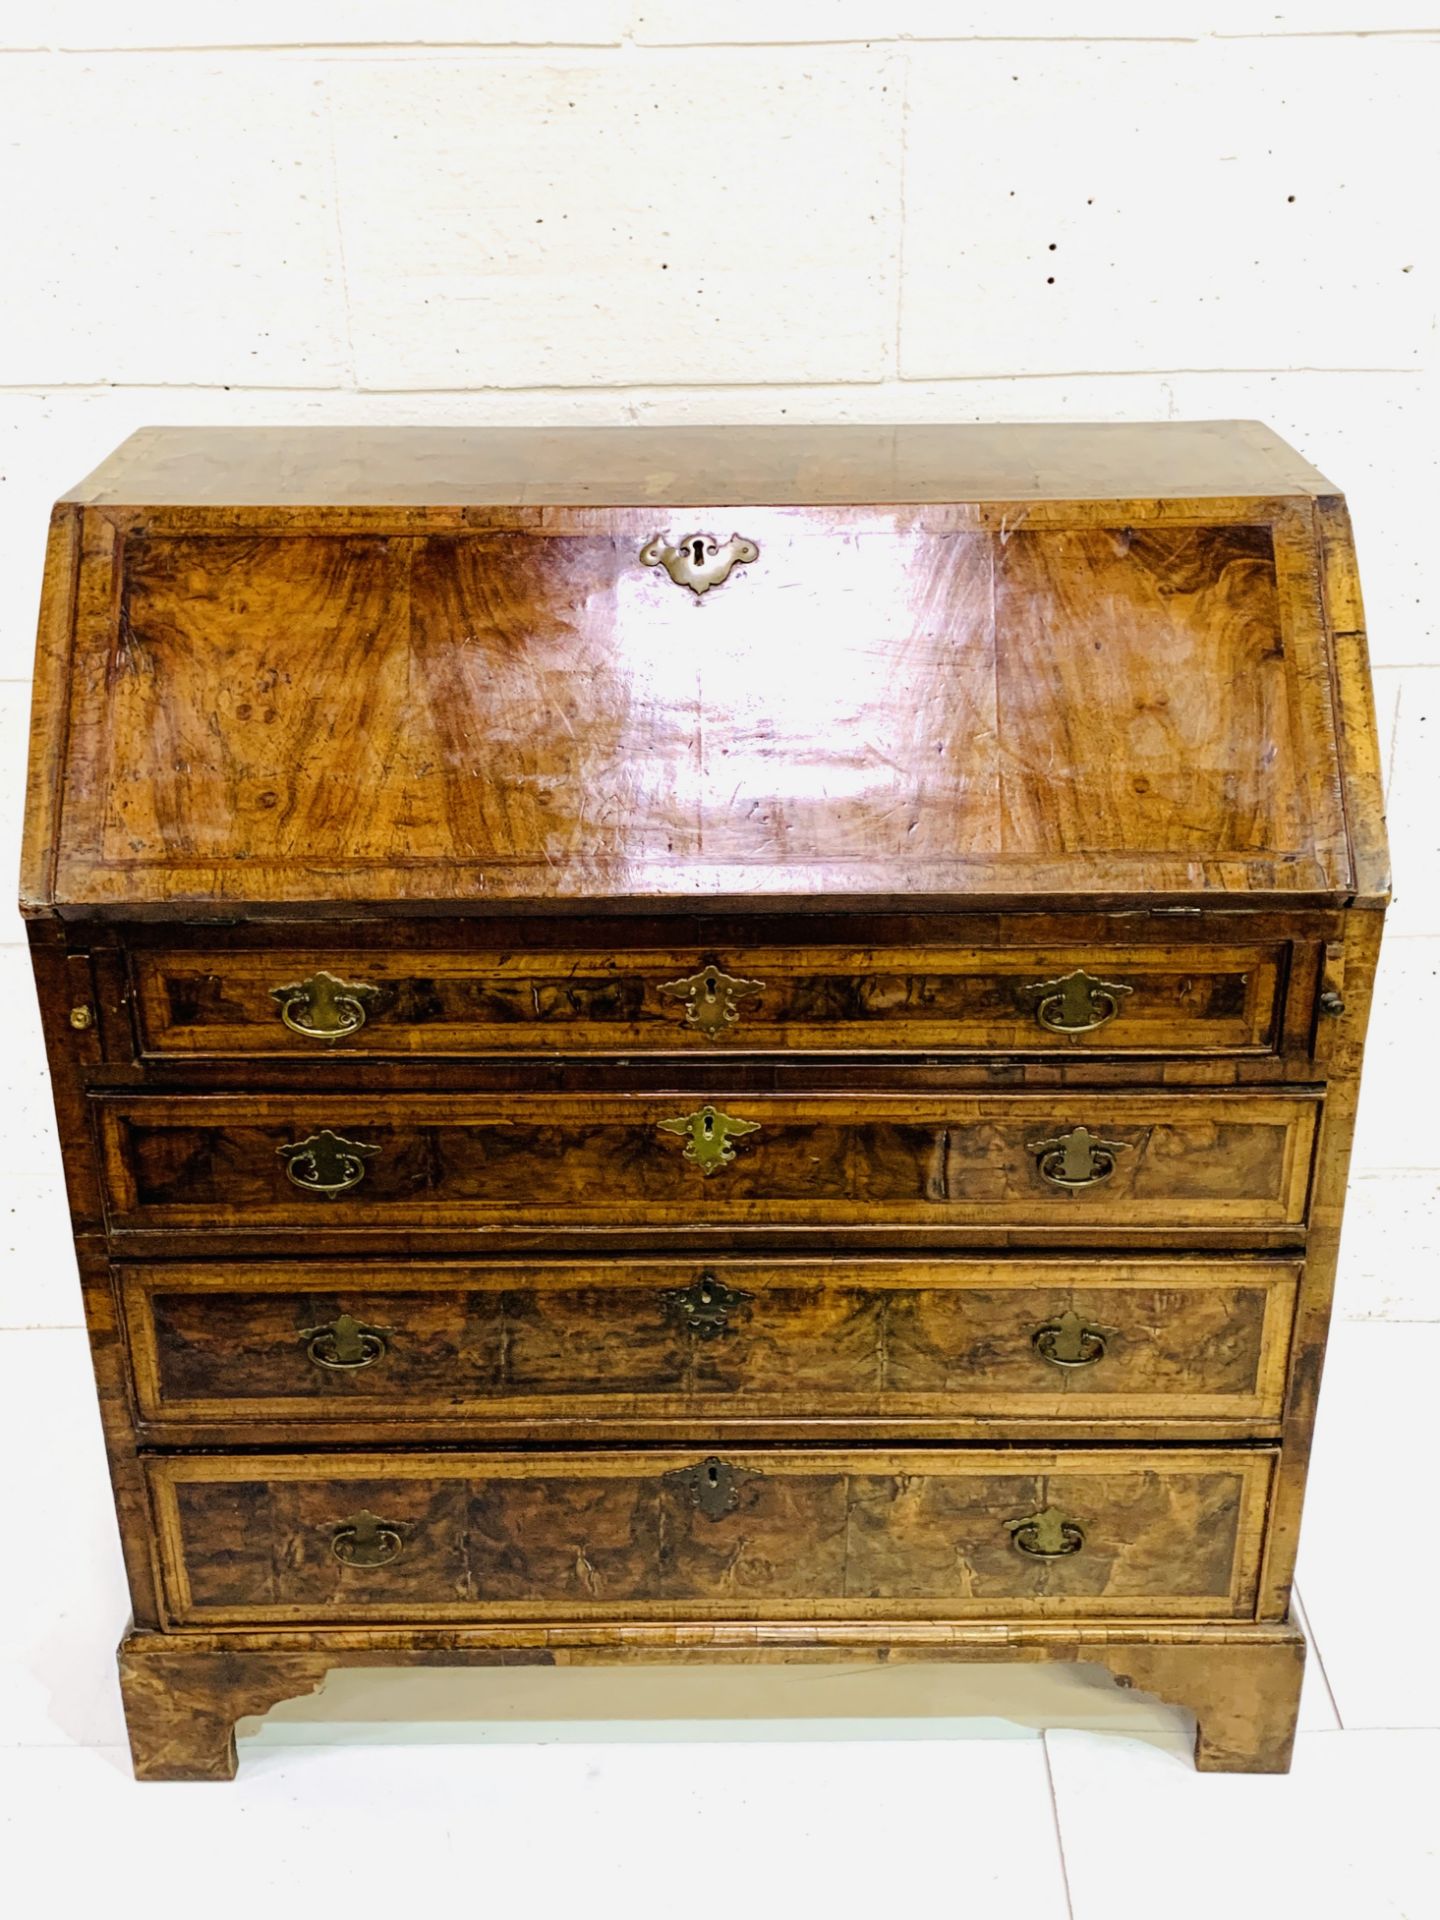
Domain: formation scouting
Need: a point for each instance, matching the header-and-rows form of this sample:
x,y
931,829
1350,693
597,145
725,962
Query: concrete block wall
x,y
602,211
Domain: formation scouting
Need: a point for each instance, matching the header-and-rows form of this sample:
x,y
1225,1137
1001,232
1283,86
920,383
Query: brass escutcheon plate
x,y
713,1486
1076,1003
365,1540
345,1345
698,561
1047,1536
325,1162
707,1134
711,999
1068,1341
324,1007
704,1307
1078,1158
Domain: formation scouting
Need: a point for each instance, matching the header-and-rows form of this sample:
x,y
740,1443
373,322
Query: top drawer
x,y
1034,1000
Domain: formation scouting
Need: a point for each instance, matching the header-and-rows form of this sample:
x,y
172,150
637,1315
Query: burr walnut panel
x,y
887,702
766,1339
1173,1162
1129,999
650,1536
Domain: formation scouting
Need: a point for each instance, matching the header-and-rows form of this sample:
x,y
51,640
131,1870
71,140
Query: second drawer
x,y
768,1341
1104,1162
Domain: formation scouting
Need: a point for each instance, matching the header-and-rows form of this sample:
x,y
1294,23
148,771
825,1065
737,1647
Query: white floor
x,y
1012,1792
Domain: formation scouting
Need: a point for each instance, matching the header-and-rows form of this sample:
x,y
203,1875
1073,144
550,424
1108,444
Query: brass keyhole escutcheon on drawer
x,y
713,1486
704,1307
365,1540
324,1007
325,1163
1047,1536
345,1345
712,1000
698,561
707,1133
1068,1341
1076,1003
1078,1158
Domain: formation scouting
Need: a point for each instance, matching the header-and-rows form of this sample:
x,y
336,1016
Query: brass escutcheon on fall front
x,y
698,561
705,1306
1076,1003
325,1162
345,1345
324,1007
1047,1536
1078,1158
707,1133
1069,1341
711,999
365,1540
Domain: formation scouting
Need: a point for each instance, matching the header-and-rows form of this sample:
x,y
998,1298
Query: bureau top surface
x,y
325,669
693,466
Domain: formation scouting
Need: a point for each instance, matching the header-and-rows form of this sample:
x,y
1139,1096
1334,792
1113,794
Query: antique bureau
x,y
706,1045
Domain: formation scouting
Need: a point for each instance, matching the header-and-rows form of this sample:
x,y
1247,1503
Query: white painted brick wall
x,y
627,210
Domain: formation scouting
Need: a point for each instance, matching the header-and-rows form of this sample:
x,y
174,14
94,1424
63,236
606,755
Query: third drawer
x,y
724,1344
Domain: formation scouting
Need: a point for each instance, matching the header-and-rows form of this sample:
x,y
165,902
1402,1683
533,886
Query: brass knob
x,y
345,1345
324,1007
1069,1341
1332,1003
1076,1003
1078,1158
366,1541
325,1162
1046,1536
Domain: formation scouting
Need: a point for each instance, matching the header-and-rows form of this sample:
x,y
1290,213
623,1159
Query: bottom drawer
x,y
899,1535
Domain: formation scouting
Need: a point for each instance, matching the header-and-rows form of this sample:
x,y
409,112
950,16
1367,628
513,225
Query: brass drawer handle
x,y
704,1307
707,1133
711,999
698,561
1078,1158
1069,1341
366,1540
1078,1003
712,1486
324,1008
325,1163
1047,1536
345,1345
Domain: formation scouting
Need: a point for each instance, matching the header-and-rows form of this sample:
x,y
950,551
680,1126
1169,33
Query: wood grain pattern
x,y
630,751
871,1339
221,1004
616,1536
334,467
457,1163
185,1691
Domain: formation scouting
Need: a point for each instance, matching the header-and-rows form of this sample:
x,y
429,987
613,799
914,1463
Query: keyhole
x,y
712,1474
709,1125
698,552
707,1292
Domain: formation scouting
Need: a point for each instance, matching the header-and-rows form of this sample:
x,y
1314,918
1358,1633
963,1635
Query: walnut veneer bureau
x,y
705,1045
